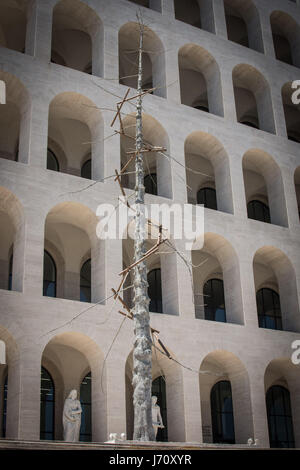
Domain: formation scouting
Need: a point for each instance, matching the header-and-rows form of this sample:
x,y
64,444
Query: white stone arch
x,y
273,268
243,24
154,134
13,23
224,365
281,371
253,97
73,353
205,154
263,180
76,126
12,222
15,118
218,259
291,112
77,37
286,37
171,371
154,73
71,228
200,81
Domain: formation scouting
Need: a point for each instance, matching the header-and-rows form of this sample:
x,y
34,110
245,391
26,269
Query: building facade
x,y
222,73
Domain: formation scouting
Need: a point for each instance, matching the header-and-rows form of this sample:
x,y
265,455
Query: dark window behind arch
x,y
222,413
86,170
85,282
52,162
86,405
257,210
10,272
207,197
155,291
213,291
47,406
159,390
150,183
49,283
280,421
268,309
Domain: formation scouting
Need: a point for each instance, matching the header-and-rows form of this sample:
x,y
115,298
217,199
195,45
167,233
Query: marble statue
x,y
156,416
72,417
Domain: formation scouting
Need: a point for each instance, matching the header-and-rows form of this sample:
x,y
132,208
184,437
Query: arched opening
x,y
47,406
14,120
75,133
76,252
49,278
297,187
85,281
225,399
86,169
75,362
216,281
291,113
286,35
155,290
188,12
200,83
264,190
277,299
77,37
207,172
157,166
11,238
86,405
252,98
153,59
13,22
222,413
243,24
159,390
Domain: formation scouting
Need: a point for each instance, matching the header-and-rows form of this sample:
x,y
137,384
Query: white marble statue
x,y
72,417
156,416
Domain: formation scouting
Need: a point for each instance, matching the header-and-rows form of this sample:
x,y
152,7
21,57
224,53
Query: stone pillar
x,y
167,7
228,91
219,18
39,131
264,15
116,394
192,408
18,258
34,253
111,53
113,264
72,285
112,153
258,404
98,269
39,29
172,73
290,196
170,286
178,169
247,287
97,135
237,183
184,273
278,110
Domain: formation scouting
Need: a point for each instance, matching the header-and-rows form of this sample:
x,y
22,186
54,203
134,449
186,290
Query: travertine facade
x,y
54,105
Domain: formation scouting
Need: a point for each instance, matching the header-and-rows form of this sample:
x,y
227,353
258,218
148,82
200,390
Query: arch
x,y
70,230
77,37
69,357
217,260
154,74
272,269
222,413
243,24
12,224
286,37
213,293
174,406
268,309
154,162
291,113
253,97
263,182
13,22
207,165
159,390
14,120
76,129
280,422
155,290
200,82
221,365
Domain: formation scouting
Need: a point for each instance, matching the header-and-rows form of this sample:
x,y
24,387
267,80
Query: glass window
x,y
207,197
4,407
49,284
10,272
222,413
47,406
159,390
214,300
86,405
52,162
268,309
86,170
150,183
280,420
85,282
155,291
257,210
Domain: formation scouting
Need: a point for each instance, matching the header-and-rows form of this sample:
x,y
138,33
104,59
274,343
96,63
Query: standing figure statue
x,y
156,416
72,417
